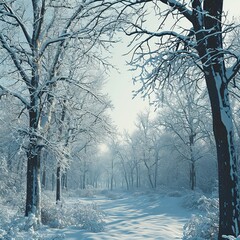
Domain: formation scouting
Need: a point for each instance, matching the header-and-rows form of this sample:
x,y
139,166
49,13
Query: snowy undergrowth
x,y
85,216
13,224
88,192
25,228
61,215
204,225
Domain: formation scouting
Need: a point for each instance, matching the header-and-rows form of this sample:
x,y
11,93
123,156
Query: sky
x,y
120,85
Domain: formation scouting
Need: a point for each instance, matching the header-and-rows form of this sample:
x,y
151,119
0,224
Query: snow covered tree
x,y
184,114
196,37
12,155
135,152
148,143
35,38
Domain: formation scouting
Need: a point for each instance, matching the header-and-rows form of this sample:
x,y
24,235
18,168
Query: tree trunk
x,y
149,172
44,178
84,180
156,169
227,160
192,164
111,183
132,178
192,175
33,197
208,30
33,183
44,170
126,180
53,181
58,179
58,183
112,174
64,180
137,176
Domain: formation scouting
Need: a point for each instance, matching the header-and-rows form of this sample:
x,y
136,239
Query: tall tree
x,y
35,36
185,115
195,38
148,143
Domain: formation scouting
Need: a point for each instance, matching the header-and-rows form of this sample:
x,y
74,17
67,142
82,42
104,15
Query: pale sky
x,y
120,86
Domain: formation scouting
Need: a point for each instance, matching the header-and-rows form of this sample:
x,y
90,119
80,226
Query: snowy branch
x,y
4,91
176,5
10,13
232,71
15,58
184,39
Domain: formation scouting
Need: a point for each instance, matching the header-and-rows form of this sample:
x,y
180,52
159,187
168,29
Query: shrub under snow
x,y
202,227
20,228
205,225
14,226
88,192
86,216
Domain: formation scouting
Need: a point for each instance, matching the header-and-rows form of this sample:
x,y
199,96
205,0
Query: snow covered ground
x,y
136,216
129,216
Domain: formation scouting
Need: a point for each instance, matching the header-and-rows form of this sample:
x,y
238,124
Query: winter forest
x,y
66,169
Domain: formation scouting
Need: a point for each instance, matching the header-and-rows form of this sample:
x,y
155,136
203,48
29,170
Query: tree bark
x,y
192,176
148,172
208,31
112,174
44,170
53,181
58,184
33,200
64,180
33,197
192,164
156,169
226,154
137,177
58,180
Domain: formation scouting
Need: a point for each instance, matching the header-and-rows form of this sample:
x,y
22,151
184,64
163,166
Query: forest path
x,y
136,216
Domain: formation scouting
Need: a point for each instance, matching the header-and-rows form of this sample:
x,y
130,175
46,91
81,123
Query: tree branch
x,y
15,58
10,13
180,7
5,91
232,71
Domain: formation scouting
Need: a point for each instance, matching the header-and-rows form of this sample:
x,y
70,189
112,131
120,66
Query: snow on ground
x,y
128,216
136,216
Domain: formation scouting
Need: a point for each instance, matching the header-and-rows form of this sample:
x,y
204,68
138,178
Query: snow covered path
x,y
133,217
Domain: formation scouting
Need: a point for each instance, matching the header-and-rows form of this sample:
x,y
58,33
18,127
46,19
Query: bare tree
x,y
196,37
185,115
35,36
